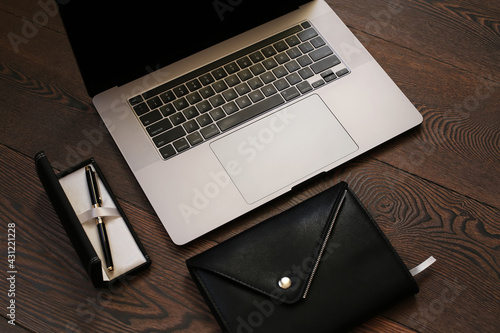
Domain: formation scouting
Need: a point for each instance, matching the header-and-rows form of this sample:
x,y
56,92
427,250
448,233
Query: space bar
x,y
250,112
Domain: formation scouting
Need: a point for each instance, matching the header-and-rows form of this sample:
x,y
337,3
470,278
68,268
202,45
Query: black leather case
x,y
73,227
341,267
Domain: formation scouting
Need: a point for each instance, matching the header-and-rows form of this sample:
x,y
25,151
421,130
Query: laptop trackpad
x,y
282,148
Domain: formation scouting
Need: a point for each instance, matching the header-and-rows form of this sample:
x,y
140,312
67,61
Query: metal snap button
x,y
285,282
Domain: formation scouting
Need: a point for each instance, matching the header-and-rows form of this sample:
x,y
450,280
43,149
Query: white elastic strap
x,y
94,212
423,266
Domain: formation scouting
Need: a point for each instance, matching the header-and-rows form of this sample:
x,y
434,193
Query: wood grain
x,y
433,190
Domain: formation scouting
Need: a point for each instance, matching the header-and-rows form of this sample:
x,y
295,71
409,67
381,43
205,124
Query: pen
x,y
95,198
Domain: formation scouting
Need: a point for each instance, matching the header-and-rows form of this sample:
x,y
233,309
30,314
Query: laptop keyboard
x,y
200,105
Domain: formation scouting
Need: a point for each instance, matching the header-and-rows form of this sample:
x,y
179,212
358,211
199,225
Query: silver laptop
x,y
219,106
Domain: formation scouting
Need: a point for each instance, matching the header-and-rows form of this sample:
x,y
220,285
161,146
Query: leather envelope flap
x,y
286,249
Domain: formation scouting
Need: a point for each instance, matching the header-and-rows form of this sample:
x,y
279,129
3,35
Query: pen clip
x,y
95,194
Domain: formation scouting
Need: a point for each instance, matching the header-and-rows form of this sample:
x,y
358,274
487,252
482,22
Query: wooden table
x,y
434,190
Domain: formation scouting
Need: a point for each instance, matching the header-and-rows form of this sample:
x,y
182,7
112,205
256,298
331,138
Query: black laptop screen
x,y
117,41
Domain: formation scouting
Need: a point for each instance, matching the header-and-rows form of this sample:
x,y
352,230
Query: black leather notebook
x,y
322,266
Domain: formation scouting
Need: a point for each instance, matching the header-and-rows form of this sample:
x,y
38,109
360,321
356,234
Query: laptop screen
x,y
117,41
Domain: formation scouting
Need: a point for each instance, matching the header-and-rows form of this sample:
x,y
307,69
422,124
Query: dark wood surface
x,y
434,190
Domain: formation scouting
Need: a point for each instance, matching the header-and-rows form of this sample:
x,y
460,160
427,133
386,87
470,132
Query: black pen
x,y
95,198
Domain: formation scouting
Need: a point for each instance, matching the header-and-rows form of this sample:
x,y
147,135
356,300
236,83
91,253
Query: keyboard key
x,y
280,46
306,73
190,112
204,106
244,62
230,107
167,151
306,25
217,100
268,51
256,57
304,60
154,102
256,96
232,80
268,77
159,127
181,103
191,126
250,112
231,68
177,118
245,75
281,84
292,41
242,89
294,53
169,136
307,34
290,93
217,114
151,117
318,42
326,73
230,94
219,86
326,63
292,66
135,100
206,79
167,97
269,90
243,102
204,120
193,98
320,53
306,47
209,131
269,63
330,77
255,83
257,69
304,87
219,73
193,85
282,58
167,110
318,83
181,145
342,72
181,91
141,108
194,138
207,92
293,78
280,71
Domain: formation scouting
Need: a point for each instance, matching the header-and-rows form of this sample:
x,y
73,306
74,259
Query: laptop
x,y
220,106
